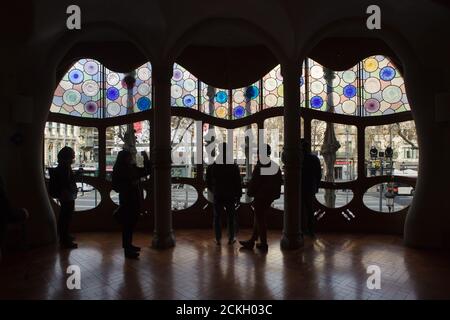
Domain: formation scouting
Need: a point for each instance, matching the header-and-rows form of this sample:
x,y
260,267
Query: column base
x,y
163,241
424,233
291,241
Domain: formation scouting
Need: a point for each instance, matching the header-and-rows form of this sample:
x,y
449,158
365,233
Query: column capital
x,y
162,72
291,69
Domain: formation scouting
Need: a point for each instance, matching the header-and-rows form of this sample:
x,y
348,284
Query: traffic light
x,y
373,153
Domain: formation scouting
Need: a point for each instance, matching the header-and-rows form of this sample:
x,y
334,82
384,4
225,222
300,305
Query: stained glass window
x,y
90,90
184,91
337,89
215,102
246,101
78,93
118,100
384,88
317,86
273,91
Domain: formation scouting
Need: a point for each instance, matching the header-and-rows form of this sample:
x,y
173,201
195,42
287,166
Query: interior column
x,y
292,237
163,233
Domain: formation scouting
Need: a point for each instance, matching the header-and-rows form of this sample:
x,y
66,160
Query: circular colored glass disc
x,y
349,76
144,73
372,105
239,112
392,94
91,68
387,73
113,78
271,100
221,112
91,107
76,76
72,97
349,107
189,85
270,84
317,72
372,85
177,75
144,89
221,97
316,102
370,64
90,88
189,101
349,91
252,92
316,87
113,108
112,93
143,103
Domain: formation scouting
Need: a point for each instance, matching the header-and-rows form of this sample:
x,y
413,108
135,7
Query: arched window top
x,y
90,90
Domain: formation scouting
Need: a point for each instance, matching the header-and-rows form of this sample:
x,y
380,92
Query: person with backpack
x,y
223,180
63,187
264,187
126,180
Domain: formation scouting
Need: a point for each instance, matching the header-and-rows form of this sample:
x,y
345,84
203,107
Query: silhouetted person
x,y
311,176
264,187
126,180
64,188
224,181
8,214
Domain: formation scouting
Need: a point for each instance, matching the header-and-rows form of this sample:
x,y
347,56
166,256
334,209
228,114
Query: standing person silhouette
x,y
224,181
264,187
126,180
311,176
62,178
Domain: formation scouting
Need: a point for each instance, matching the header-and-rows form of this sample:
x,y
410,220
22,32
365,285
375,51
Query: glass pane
x,y
83,140
333,89
388,197
184,89
317,86
213,136
384,88
215,101
87,86
121,100
274,136
184,147
246,101
79,91
88,197
345,146
273,92
342,197
402,139
134,137
183,196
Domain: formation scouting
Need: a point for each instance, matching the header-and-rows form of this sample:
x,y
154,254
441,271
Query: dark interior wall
x,y
415,32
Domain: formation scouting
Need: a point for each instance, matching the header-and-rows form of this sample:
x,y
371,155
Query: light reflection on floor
x,y
333,266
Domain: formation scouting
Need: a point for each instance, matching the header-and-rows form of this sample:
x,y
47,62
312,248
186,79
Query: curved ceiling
x,y
232,66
